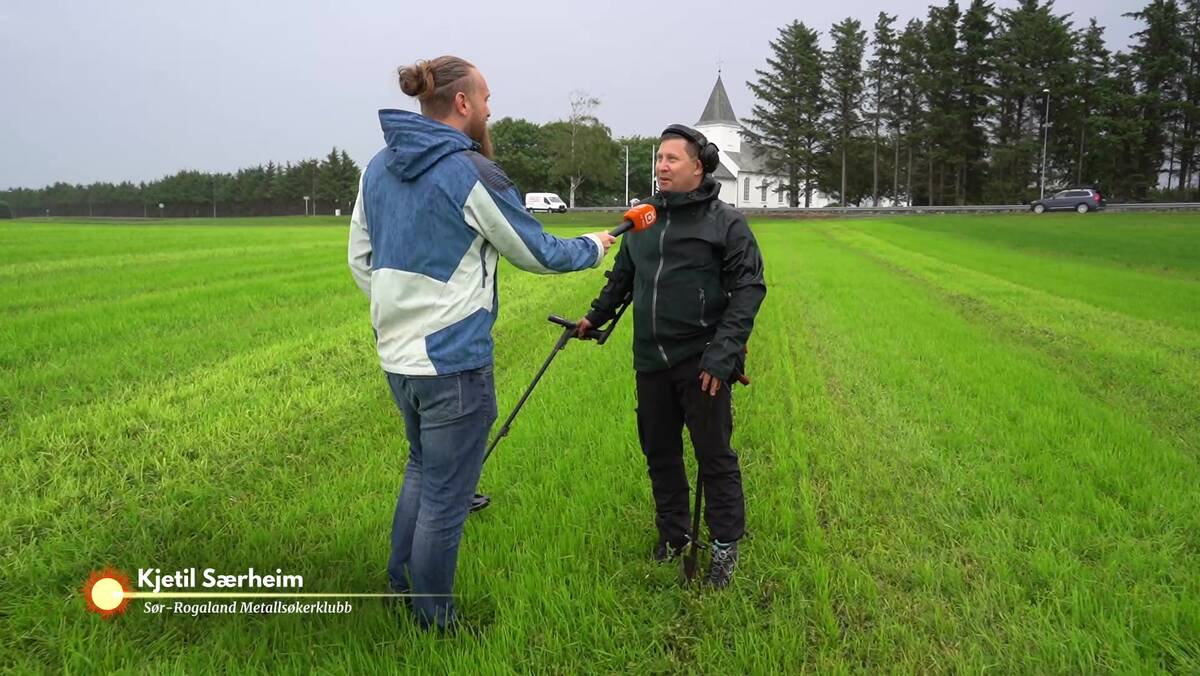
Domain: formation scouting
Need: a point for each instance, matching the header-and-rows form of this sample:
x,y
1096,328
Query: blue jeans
x,y
446,420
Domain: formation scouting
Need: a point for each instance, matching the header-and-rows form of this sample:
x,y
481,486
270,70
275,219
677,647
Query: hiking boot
x,y
666,550
724,560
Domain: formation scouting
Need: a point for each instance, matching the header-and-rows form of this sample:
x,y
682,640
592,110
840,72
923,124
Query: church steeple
x,y
718,110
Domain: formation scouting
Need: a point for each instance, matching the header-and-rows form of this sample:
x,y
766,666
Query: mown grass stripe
x,y
1136,292
1142,367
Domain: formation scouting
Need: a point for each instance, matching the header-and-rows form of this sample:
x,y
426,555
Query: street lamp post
x,y
653,171
1045,138
626,175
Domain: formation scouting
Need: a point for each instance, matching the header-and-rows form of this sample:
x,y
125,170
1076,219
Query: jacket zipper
x,y
662,236
702,322
483,263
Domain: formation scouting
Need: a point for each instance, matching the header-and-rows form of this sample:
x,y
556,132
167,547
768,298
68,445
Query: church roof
x,y
752,159
749,159
718,110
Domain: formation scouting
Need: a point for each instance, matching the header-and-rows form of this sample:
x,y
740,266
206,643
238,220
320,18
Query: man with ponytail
x,y
432,218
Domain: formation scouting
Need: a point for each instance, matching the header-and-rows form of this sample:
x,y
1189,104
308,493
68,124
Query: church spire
x,y
718,110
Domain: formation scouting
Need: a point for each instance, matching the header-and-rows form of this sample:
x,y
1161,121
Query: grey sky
x,y
136,90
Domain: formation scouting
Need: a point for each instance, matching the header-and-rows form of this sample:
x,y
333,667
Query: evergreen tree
x,y
1189,104
1093,66
1159,59
882,88
788,121
975,111
844,82
910,100
1034,53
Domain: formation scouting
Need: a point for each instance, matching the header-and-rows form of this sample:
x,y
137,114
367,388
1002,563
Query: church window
x,y
746,189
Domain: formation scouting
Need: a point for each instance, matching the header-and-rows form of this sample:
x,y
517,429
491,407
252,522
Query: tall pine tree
x,y
910,99
844,77
975,111
881,84
788,121
1159,61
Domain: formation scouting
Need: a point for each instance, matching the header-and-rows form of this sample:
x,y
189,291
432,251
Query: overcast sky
x,y
135,90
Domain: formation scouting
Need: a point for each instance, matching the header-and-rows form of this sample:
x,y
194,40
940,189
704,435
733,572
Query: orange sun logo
x,y
106,593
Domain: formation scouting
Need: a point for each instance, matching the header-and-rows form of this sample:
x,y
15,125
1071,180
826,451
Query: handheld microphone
x,y
637,219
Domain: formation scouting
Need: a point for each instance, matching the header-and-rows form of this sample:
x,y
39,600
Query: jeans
x,y
446,420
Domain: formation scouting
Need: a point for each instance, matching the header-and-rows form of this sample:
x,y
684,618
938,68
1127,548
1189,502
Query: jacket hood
x,y
415,142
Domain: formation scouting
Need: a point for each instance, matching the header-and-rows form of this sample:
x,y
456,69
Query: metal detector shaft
x,y
569,328
562,342
693,553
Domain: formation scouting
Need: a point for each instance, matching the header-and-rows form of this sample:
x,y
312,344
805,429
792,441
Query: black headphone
x,y
709,155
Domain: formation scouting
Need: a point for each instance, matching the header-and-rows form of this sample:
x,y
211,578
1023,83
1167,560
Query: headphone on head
x,y
709,155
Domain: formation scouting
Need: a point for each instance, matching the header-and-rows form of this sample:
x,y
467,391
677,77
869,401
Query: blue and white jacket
x,y
431,220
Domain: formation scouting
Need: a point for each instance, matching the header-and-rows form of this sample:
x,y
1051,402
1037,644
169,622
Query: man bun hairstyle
x,y
435,83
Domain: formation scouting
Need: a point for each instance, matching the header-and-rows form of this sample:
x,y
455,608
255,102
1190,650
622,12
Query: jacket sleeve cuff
x,y
599,249
597,318
721,370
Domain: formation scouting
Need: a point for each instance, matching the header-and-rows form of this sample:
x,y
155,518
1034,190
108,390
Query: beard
x,y
479,132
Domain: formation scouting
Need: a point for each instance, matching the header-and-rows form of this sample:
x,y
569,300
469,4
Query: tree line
x,y
309,186
963,106
983,106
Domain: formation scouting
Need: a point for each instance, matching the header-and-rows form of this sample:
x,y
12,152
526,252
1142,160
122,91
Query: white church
x,y
745,181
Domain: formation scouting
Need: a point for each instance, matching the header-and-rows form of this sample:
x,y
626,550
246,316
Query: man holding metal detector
x,y
695,280
432,217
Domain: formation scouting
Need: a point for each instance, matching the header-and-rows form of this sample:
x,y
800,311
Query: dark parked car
x,y
1082,200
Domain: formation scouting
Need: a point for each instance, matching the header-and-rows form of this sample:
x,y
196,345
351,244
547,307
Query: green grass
x,y
971,444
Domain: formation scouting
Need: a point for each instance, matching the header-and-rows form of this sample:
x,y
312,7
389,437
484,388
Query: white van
x,y
544,201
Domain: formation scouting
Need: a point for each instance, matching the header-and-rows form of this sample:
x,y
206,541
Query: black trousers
x,y
667,400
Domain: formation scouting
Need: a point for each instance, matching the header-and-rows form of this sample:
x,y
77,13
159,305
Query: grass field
x,y
971,444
